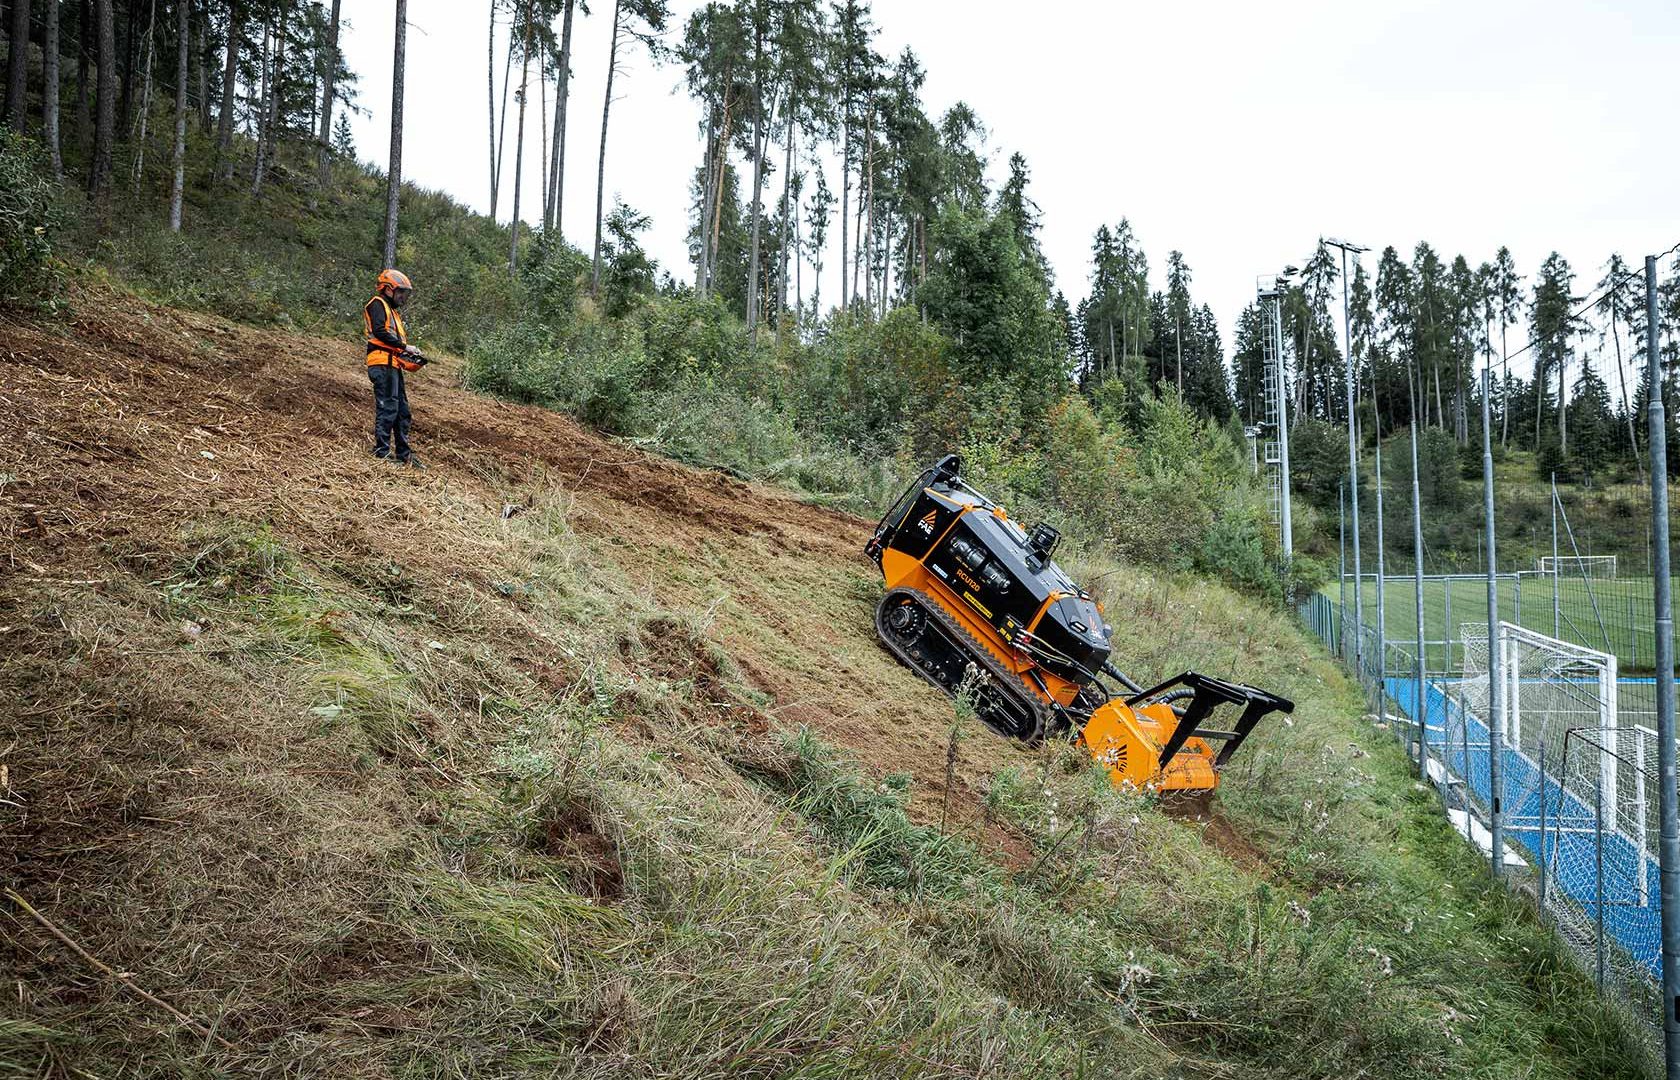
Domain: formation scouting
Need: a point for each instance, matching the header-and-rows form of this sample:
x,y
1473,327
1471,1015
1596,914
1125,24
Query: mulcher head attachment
x,y
1150,740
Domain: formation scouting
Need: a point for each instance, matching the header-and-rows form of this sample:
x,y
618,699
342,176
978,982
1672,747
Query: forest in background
x,y
1120,416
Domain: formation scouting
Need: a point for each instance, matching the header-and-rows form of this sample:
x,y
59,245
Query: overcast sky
x,y
1237,131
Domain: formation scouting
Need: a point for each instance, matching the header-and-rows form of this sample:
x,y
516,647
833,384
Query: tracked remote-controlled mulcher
x,y
975,603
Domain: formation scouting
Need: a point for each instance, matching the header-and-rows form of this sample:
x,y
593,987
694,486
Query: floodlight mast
x,y
1271,290
1353,465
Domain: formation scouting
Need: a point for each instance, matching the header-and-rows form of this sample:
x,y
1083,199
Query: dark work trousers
x,y
390,412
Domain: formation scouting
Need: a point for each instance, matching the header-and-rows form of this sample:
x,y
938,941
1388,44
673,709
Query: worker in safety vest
x,y
389,359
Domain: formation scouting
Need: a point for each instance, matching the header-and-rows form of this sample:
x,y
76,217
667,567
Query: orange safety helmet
x,y
394,283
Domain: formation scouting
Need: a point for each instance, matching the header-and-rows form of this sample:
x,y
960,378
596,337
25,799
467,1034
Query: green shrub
x,y
1234,549
514,361
27,220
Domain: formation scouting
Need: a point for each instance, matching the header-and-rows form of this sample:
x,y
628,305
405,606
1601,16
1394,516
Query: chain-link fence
x,y
1579,778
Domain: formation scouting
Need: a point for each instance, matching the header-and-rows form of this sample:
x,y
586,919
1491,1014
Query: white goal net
x,y
1579,793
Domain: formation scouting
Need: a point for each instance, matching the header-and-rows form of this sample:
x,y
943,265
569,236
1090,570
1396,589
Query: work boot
x,y
413,462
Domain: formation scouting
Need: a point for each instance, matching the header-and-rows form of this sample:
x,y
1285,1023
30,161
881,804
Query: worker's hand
x,y
418,357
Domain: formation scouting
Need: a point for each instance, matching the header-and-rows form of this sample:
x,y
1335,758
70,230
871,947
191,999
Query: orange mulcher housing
x,y
976,605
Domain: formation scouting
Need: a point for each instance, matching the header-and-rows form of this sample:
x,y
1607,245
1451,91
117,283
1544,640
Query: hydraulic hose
x,y
1125,680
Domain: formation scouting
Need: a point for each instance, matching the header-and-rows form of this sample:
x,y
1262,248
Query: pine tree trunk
x,y
201,69
715,226
17,67
276,91
262,112
145,101
183,59
1627,407
1440,407
105,110
1458,400
703,225
501,124
519,136
490,84
798,267
1505,414
50,77
562,95
1178,346
816,284
323,152
845,199
868,233
131,45
1563,406
921,242
1540,384
757,199
230,92
542,129
886,264
85,33
601,160
787,191
393,176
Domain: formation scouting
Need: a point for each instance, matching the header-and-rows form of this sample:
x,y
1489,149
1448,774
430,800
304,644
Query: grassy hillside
x,y
563,759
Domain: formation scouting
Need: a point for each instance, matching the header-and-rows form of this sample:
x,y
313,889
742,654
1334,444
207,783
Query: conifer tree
x,y
1505,287
393,175
1553,327
50,87
639,21
182,59
1623,301
105,110
17,66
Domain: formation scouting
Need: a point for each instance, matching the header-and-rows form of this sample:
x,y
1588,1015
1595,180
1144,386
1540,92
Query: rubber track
x,y
1004,680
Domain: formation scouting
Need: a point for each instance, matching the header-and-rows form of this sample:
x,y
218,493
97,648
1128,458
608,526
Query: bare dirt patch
x,y
1202,811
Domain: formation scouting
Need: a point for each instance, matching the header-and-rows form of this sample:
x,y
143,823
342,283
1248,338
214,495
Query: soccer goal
x,y
1592,566
1579,789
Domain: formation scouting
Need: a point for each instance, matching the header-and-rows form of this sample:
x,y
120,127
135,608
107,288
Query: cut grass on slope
x,y
497,770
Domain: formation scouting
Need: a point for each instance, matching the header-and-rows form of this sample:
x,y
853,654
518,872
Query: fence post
x,y
1511,701
1353,512
1382,590
1495,697
1422,700
1557,607
1341,572
1641,810
1542,828
1598,856
1464,726
1669,850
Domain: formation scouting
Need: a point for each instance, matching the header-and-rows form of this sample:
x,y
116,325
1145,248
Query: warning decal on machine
x,y
976,605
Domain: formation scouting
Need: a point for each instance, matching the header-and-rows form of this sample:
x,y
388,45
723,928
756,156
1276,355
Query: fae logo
x,y
927,521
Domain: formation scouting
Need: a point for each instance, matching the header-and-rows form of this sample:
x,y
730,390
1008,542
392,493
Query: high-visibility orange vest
x,y
379,352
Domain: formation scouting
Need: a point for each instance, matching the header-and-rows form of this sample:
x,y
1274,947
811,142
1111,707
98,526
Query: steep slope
x,y
561,759
172,418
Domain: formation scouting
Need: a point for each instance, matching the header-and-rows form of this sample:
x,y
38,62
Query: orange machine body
x,y
904,571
